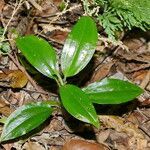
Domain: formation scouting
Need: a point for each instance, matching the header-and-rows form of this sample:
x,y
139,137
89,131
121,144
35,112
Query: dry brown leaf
x,y
102,136
135,136
121,125
13,78
119,140
76,144
146,80
59,36
138,76
136,118
137,58
5,108
57,2
48,9
148,87
141,144
144,58
54,148
2,4
36,5
133,44
33,146
102,72
8,146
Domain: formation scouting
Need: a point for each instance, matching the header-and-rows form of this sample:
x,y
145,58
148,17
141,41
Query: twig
x,y
115,43
17,6
61,13
41,92
15,60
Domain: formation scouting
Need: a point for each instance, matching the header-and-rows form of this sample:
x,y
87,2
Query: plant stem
x,y
54,103
57,81
61,82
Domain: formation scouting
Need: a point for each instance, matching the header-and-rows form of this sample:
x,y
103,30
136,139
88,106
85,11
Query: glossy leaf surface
x,y
79,46
77,103
112,91
39,53
25,119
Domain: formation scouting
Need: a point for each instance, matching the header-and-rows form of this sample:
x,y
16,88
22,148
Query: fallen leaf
x,y
2,4
102,135
138,56
33,146
48,9
57,2
5,108
133,43
148,87
59,36
121,125
76,144
137,117
102,72
135,135
119,140
13,78
8,146
141,144
139,76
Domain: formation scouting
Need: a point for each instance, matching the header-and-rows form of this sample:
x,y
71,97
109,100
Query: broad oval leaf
x,y
77,103
25,119
79,46
112,91
39,53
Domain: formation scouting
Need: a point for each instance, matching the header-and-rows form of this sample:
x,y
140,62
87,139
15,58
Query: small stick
x,y
17,6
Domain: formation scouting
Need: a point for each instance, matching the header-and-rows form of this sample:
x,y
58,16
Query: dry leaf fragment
x,y
13,78
102,136
59,36
4,108
121,125
138,76
76,144
36,5
102,72
57,2
2,4
48,9
33,146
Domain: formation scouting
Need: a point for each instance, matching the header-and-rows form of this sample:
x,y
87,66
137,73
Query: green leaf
x,y
79,47
77,103
39,53
112,91
25,119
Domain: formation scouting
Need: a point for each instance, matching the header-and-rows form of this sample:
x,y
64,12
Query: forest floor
x,y
123,127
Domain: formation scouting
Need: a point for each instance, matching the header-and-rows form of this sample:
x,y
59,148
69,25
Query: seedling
x,y
76,54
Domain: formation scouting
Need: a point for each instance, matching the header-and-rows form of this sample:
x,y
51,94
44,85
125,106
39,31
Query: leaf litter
x,y
124,131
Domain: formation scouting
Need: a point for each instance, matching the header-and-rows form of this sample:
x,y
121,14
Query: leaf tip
x,y
96,123
2,139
